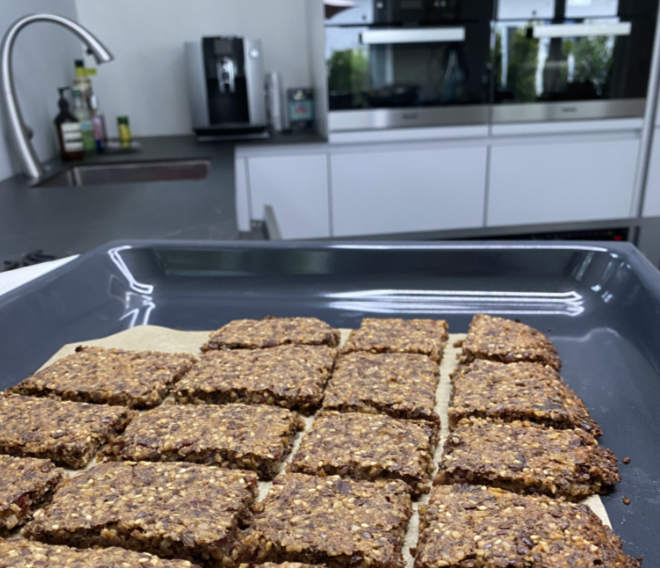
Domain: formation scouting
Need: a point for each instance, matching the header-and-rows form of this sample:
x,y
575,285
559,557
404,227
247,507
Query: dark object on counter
x,y
301,108
30,258
69,135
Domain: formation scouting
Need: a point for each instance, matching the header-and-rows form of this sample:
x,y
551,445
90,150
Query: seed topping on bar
x,y
369,447
256,437
20,553
528,391
139,379
500,339
25,484
527,458
392,335
172,510
292,376
68,433
270,331
330,520
485,527
402,385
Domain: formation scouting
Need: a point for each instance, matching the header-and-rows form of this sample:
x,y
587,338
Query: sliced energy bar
x,y
139,379
484,527
173,510
508,341
256,437
270,331
528,391
292,376
527,458
369,447
330,520
25,484
402,385
68,433
392,335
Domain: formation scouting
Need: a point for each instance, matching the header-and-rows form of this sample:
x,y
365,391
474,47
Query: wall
x,y
43,61
147,79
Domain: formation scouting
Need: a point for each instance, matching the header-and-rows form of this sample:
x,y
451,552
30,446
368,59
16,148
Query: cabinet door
x,y
652,199
398,191
561,181
297,188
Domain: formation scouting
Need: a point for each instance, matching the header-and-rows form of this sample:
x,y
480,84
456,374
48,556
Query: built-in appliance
x,y
571,59
399,63
226,86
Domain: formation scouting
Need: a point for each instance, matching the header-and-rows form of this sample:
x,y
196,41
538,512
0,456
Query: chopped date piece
x,y
68,433
527,458
392,335
270,331
484,527
500,339
139,379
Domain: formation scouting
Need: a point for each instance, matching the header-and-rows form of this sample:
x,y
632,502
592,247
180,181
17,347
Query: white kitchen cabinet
x,y
562,181
652,198
297,188
407,190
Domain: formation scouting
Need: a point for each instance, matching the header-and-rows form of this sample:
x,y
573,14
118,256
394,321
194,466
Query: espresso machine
x,y
226,87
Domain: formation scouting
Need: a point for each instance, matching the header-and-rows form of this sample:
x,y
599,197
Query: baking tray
x,y
599,303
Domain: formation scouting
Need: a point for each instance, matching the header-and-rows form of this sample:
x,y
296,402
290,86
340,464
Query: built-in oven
x,y
571,59
400,63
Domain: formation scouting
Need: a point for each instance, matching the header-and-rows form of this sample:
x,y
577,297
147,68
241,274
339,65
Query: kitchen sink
x,y
130,172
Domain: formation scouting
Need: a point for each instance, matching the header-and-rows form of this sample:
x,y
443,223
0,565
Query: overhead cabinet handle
x,y
581,30
425,35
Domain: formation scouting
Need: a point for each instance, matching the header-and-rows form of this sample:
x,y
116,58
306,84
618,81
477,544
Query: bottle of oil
x,y
69,134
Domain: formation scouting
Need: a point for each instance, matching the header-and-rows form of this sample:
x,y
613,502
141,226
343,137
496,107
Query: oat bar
x,y
508,341
483,527
529,391
172,510
69,433
527,458
270,331
25,484
369,447
139,379
281,565
256,437
330,520
425,336
402,385
292,376
22,553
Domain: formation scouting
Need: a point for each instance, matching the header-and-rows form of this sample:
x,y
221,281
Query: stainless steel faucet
x,y
20,131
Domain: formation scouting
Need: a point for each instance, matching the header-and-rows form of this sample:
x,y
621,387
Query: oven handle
x,y
417,35
581,30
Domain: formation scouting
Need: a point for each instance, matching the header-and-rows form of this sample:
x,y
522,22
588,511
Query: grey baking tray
x,y
600,304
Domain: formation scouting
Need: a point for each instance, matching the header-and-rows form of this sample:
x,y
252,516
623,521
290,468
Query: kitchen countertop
x,y
67,220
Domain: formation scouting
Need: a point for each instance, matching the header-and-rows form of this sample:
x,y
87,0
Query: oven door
x,y
577,69
383,77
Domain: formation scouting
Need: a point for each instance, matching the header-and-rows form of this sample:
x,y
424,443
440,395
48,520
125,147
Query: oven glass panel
x,y
576,60
367,68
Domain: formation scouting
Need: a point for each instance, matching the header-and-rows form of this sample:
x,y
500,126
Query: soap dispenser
x,y
69,134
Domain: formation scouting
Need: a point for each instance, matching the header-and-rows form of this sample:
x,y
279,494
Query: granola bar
x,y
508,341
22,553
329,520
527,458
25,484
69,433
402,385
254,437
529,391
270,331
425,336
139,379
292,376
172,510
281,565
369,447
484,527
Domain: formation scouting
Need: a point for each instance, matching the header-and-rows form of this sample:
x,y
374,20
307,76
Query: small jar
x,y
125,137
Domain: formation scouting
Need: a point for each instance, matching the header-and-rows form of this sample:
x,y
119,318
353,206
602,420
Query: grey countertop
x,y
68,220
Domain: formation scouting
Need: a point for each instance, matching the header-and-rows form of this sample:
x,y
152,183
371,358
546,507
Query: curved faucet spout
x,y
19,130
